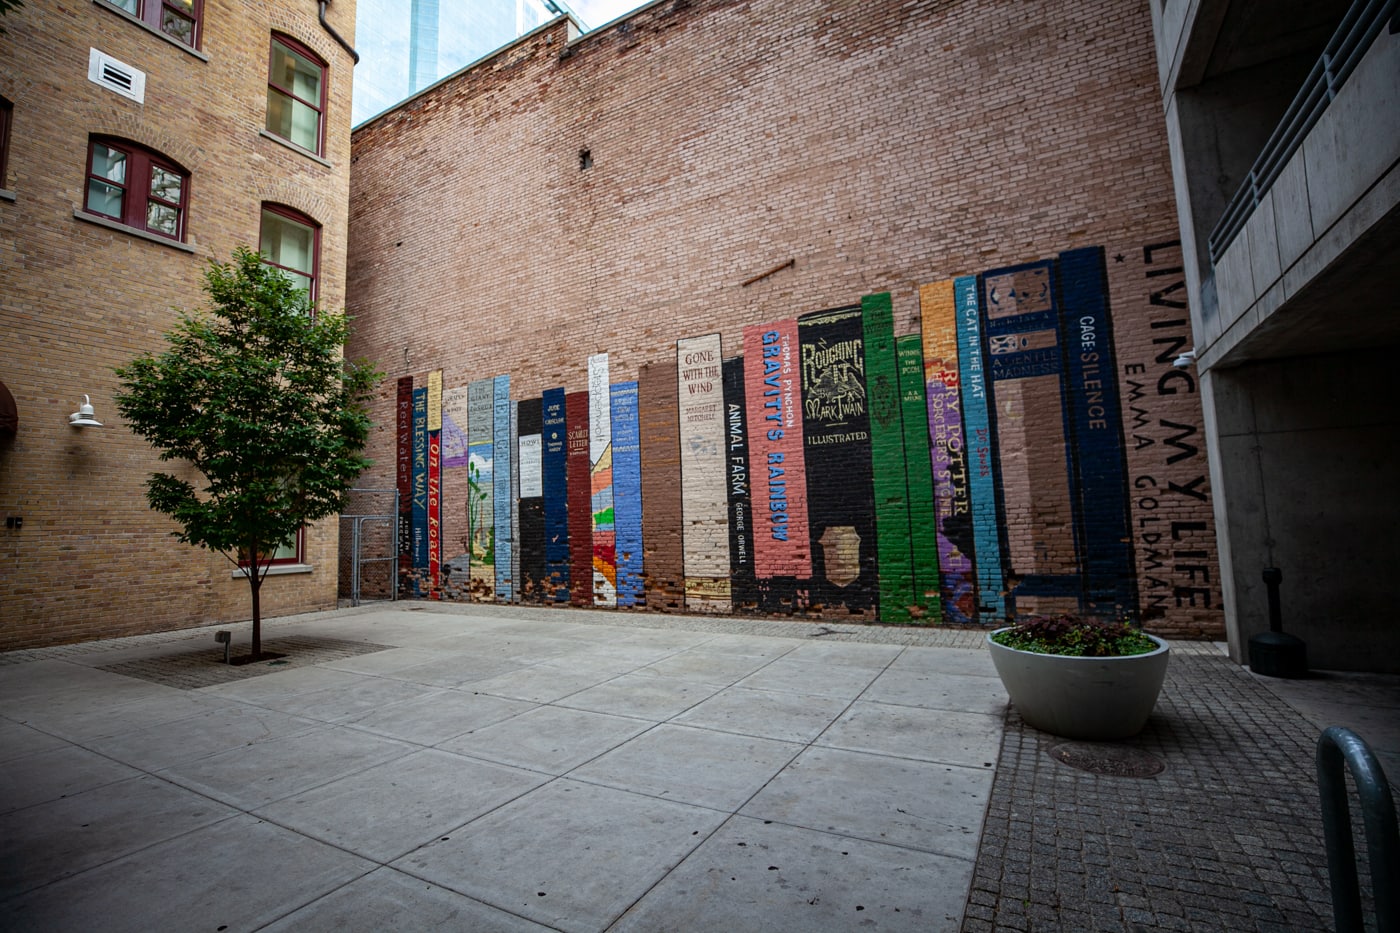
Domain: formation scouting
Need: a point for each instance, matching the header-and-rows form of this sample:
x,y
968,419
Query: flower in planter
x,y
1080,637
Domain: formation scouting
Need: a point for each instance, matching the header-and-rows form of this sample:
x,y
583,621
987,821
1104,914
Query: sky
x,y
597,12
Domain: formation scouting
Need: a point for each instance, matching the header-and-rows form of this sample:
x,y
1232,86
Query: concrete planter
x,y
1082,698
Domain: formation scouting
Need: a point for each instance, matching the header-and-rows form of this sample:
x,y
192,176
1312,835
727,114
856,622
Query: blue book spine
x,y
627,493
556,496
505,529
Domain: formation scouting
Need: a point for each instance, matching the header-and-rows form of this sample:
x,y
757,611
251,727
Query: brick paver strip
x,y
204,667
1227,837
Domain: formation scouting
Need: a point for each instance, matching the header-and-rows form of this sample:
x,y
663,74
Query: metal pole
x,y
1335,747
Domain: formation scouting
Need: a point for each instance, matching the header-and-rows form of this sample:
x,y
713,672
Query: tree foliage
x,y
257,396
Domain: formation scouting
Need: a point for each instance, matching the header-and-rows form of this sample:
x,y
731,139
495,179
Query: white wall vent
x,y
116,76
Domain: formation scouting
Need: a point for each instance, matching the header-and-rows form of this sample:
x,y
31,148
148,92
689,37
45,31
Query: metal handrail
x,y
1363,21
1335,747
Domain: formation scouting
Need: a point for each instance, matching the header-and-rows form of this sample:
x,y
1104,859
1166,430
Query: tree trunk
x,y
255,581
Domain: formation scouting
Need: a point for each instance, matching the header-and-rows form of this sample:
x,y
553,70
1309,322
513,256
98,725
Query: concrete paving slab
x,y
705,666
917,804
59,772
948,736
755,878
757,646
221,729
49,841
237,874
279,684
351,701
18,740
935,690
255,775
548,738
383,662
542,683
876,657
971,661
788,717
391,809
456,669
390,900
88,724
572,856
699,766
46,690
642,695
814,677
440,715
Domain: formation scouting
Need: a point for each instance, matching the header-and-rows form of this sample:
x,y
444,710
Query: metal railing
x,y
1337,747
1359,27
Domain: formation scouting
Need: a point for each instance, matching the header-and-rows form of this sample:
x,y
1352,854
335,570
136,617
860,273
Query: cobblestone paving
x,y
1227,837
204,667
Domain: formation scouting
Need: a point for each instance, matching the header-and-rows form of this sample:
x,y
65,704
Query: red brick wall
x,y
861,147
76,300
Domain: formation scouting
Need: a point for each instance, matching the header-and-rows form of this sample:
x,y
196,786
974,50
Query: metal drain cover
x,y
1109,760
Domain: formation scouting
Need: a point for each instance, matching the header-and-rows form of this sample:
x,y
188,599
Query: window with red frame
x,y
7,109
290,242
293,552
137,187
296,94
178,19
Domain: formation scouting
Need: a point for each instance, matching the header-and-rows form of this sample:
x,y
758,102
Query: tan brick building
x,y
145,138
702,167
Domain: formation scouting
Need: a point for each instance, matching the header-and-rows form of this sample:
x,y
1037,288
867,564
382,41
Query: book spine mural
x,y
1100,484
700,389
1172,524
628,504
892,532
580,501
773,402
556,496
743,592
435,484
500,490
836,431
923,532
403,476
420,491
957,554
659,425
529,543
600,473
1025,373
978,438
1030,449
480,505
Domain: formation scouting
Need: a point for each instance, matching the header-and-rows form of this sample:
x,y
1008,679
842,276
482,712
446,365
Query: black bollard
x,y
1275,653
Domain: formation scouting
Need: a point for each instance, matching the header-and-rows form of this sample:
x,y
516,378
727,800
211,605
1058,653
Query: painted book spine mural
x,y
700,388
1100,471
501,445
923,532
600,473
1172,524
891,490
403,476
435,484
957,555
1029,449
659,424
556,496
480,504
978,438
420,491
628,504
773,403
836,431
580,501
743,591
530,535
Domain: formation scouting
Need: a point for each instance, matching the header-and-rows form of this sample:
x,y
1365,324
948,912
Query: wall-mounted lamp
x,y
84,417
1185,360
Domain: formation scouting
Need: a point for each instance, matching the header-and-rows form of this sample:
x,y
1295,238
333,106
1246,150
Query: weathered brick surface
x,y
703,166
77,299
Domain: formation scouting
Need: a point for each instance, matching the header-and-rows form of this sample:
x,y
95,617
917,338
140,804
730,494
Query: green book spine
x,y
887,457
923,533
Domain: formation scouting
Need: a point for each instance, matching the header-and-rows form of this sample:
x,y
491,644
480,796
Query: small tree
x,y
258,398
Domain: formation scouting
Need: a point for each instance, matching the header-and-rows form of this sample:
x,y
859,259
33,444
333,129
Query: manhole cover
x,y
1110,760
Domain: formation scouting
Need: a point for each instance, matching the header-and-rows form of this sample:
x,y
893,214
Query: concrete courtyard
x,y
419,766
